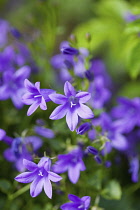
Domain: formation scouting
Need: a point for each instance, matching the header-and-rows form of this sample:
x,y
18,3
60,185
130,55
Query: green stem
x,y
19,192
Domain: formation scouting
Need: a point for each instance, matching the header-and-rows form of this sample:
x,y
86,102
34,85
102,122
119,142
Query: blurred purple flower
x,y
77,203
21,148
7,58
2,134
134,168
69,51
92,150
71,105
40,176
45,132
71,162
127,114
13,85
4,29
83,128
35,96
99,93
129,17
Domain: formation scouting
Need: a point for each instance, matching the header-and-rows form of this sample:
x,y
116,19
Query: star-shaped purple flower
x,y
71,162
35,96
40,176
77,203
71,105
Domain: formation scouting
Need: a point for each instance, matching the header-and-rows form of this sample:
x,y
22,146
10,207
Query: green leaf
x,y
112,190
134,61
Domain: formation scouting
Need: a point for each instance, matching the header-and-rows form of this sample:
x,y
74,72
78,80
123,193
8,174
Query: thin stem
x,y
19,192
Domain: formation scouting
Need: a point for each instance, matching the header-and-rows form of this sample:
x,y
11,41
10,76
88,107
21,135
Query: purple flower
x,y
40,176
13,85
134,169
92,150
99,93
21,148
45,132
71,105
4,29
127,114
83,128
69,51
2,134
129,17
77,203
71,162
35,96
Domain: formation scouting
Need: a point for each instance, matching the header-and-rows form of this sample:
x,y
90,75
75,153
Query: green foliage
x,y
112,190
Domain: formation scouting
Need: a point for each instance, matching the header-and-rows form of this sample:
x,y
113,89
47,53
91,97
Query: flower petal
x,y
36,186
74,198
86,200
83,97
48,187
59,112
54,177
69,89
43,105
28,98
58,98
32,108
31,166
5,92
37,85
72,119
85,112
25,177
46,92
74,173
22,73
30,86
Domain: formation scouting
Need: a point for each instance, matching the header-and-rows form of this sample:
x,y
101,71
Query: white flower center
x,y
40,173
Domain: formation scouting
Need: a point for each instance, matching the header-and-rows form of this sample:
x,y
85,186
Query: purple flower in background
x,y
127,114
45,132
71,162
2,134
134,169
112,132
129,17
7,58
40,176
35,96
77,203
21,148
83,128
69,51
99,93
71,105
4,29
13,85
92,150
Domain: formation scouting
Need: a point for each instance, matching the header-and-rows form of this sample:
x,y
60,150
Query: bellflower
x,y
83,128
129,17
4,29
13,85
45,132
35,96
71,105
69,51
40,176
2,134
21,148
77,203
127,114
71,162
99,93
